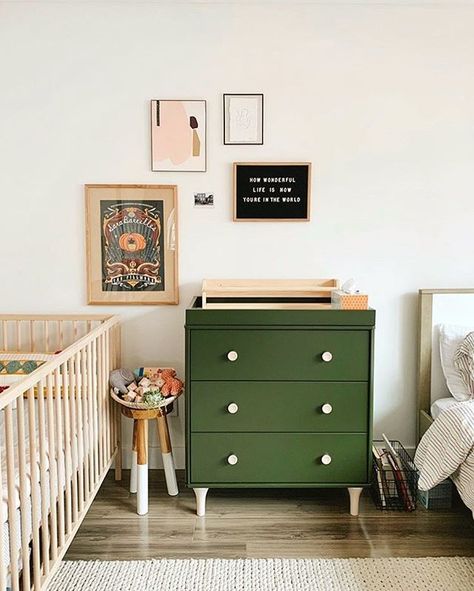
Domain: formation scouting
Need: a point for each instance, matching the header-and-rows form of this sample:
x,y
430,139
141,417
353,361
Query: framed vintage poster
x,y
272,191
243,119
178,136
132,244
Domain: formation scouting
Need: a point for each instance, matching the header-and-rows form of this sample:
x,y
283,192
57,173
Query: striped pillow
x,y
464,362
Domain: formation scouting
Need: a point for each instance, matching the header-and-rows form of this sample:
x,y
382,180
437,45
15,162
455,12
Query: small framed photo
x,y
178,136
272,191
243,119
203,200
132,244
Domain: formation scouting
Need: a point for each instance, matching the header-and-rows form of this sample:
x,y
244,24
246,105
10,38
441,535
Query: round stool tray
x,y
141,405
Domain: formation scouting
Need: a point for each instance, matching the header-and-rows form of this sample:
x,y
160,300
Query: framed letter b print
x,y
132,244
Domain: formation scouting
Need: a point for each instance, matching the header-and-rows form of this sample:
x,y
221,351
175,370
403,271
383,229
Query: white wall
x,y
380,98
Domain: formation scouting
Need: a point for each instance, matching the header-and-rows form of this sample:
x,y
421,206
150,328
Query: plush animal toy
x,y
121,378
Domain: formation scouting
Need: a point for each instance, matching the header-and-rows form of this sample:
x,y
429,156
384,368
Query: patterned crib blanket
x,y
447,450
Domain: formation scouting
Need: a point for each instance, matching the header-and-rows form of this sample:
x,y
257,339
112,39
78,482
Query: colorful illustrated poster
x,y
132,246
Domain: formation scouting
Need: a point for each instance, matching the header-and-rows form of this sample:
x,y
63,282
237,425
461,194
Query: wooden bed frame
x,y
79,428
425,340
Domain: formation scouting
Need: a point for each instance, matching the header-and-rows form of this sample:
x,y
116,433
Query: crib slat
x,y
100,430
32,337
35,493
79,430
107,396
43,480
82,433
61,456
90,394
18,335
5,334
46,336
53,472
67,447
118,414
23,481
85,423
12,510
3,518
72,398
96,439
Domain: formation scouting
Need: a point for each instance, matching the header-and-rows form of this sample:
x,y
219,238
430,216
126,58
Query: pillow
x,y
450,337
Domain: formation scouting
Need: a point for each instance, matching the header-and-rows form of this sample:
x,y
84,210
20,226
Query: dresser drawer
x,y
278,458
280,355
279,406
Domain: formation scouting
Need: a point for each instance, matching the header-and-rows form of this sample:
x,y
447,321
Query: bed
x,y
59,436
445,404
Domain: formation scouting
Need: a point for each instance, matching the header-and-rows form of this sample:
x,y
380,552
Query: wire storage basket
x,y
439,497
395,479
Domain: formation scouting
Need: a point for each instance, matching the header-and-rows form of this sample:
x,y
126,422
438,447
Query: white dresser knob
x,y
326,356
233,408
232,459
326,459
232,355
326,409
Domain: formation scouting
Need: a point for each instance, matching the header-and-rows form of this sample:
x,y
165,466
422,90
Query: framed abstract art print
x,y
178,136
132,244
243,119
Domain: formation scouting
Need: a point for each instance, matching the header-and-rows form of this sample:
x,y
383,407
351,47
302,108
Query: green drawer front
x,y
279,406
278,458
280,355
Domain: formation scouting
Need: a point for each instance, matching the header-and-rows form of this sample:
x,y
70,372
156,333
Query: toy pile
x,y
151,390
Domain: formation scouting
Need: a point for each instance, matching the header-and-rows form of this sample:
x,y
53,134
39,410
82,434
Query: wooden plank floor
x,y
262,524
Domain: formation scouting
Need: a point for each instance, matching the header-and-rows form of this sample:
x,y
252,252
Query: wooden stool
x,y
139,473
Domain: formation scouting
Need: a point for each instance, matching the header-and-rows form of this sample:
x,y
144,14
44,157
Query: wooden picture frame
x,y
243,119
132,244
272,191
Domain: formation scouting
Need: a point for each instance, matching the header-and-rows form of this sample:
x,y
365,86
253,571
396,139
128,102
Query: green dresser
x,y
278,398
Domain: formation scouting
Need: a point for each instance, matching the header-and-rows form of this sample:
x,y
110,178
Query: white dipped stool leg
x,y
354,495
133,471
142,489
200,500
170,474
167,455
142,467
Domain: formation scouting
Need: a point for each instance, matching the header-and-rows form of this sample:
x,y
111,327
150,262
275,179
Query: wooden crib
x,y
59,435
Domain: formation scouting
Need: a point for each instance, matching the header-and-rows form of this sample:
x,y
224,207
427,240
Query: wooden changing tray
x,y
278,294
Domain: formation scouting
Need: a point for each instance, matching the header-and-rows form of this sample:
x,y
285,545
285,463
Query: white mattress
x,y
441,404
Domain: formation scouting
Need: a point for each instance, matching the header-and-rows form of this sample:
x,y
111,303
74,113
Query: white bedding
x,y
447,450
4,517
441,404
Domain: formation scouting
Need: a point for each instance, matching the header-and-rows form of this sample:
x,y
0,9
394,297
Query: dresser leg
x,y
200,500
354,495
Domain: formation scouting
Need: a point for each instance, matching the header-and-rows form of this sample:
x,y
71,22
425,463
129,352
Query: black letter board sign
x,y
278,191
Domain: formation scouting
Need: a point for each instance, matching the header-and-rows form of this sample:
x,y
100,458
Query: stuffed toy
x,y
121,378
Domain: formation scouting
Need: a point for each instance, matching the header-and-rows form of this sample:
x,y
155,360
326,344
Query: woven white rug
x,y
359,574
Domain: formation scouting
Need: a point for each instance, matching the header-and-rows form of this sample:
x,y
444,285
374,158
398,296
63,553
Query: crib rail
x,y
59,437
45,333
